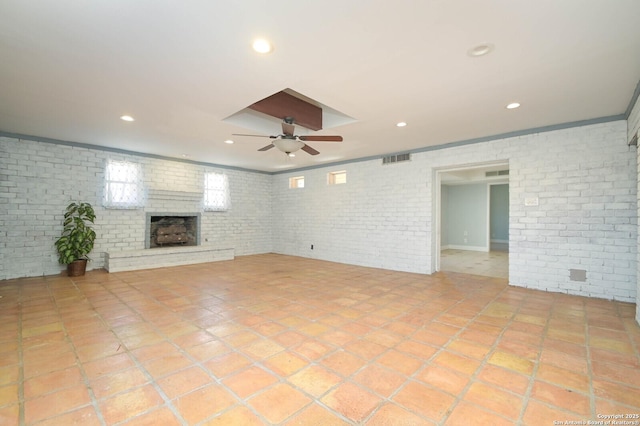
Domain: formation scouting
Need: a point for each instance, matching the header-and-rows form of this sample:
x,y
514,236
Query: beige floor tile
x,y
272,339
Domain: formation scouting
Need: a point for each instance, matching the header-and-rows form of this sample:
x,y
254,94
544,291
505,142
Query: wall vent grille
x,y
399,158
497,173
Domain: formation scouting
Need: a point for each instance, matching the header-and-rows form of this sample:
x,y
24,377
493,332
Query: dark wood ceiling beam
x,y
282,104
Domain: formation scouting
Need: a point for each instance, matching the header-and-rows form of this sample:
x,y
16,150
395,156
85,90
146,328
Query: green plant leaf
x,y
77,238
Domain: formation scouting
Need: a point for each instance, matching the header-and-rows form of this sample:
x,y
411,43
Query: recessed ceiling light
x,y
228,141
127,118
513,105
401,124
480,50
262,46
291,154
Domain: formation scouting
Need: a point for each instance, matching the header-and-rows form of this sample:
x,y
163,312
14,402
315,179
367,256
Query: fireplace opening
x,y
172,230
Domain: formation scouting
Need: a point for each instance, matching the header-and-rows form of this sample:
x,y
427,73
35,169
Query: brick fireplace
x,y
174,239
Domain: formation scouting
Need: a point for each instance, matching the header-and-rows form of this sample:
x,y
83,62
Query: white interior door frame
x,y
437,231
437,204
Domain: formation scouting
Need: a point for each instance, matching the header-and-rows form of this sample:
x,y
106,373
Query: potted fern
x,y
76,241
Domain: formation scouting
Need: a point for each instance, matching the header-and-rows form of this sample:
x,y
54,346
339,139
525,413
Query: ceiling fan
x,y
287,142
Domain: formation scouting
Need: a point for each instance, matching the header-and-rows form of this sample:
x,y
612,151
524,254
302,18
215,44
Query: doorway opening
x,y
472,220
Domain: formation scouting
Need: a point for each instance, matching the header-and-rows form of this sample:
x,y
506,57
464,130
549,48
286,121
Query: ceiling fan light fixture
x,y
288,145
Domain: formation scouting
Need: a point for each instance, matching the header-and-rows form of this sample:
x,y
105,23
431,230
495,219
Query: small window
x,y
337,178
216,192
296,182
124,187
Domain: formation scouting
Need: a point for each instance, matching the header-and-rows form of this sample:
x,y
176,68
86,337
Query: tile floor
x,y
271,339
494,263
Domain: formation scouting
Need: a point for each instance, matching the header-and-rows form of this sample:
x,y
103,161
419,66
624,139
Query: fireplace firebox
x,y
172,230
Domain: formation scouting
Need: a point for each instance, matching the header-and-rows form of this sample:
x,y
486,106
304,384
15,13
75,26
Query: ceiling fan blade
x,y
266,148
255,136
313,138
310,150
287,128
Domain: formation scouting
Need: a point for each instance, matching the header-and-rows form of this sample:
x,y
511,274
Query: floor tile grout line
x,y
434,356
197,363
591,394
21,378
635,344
259,364
310,362
536,365
318,399
484,361
592,397
140,368
346,379
79,363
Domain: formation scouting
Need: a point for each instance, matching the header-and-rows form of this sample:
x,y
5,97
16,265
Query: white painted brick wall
x,y
38,180
633,128
585,180
633,121
378,218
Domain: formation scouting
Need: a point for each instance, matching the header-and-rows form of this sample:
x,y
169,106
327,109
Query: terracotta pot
x,y
77,268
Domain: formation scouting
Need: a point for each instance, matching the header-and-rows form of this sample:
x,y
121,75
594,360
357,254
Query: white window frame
x,y
216,192
336,178
296,182
123,185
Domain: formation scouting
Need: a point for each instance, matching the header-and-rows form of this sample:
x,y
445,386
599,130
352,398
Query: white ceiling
x,y
69,69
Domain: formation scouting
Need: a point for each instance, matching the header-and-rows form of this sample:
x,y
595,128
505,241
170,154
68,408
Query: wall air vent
x,y
497,173
396,158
